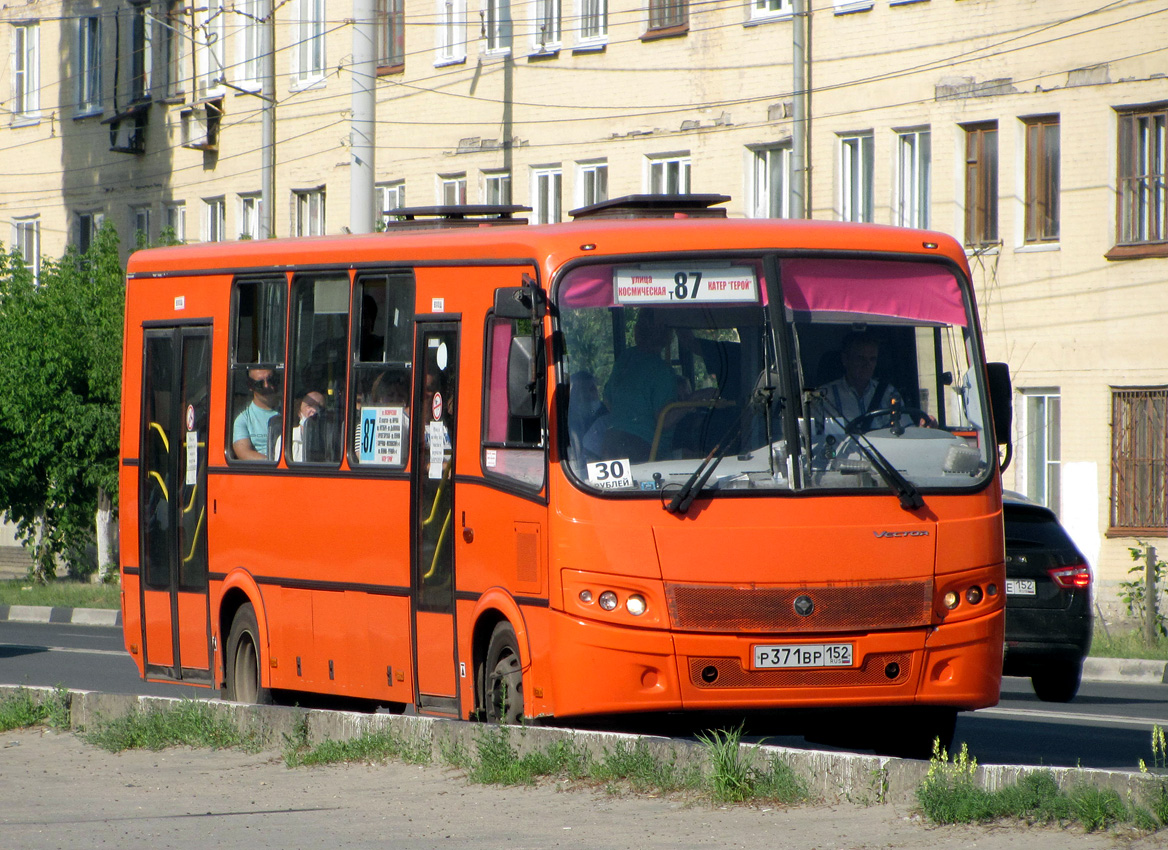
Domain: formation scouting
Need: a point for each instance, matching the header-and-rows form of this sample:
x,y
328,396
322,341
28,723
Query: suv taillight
x,y
1071,578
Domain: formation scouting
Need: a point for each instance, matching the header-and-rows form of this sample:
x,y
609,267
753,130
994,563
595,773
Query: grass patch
x,y
734,776
25,708
951,794
1127,644
380,746
60,594
190,723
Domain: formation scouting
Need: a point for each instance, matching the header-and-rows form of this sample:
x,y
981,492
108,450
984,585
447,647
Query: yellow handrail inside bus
x,y
438,547
195,489
434,507
161,485
195,537
165,442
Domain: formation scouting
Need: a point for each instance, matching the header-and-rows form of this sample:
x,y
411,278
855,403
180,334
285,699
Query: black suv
x,y
1048,601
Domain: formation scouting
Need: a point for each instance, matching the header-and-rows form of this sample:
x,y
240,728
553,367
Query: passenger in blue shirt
x,y
249,434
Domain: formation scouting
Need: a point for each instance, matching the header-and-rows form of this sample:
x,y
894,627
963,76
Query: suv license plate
x,y
1021,587
803,655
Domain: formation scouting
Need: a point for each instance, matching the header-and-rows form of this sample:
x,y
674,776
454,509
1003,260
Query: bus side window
x,y
257,369
381,365
512,445
320,333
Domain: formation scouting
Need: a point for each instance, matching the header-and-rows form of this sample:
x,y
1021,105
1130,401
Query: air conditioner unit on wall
x,y
200,126
128,130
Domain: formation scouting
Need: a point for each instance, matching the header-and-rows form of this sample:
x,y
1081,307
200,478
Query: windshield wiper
x,y
907,492
693,485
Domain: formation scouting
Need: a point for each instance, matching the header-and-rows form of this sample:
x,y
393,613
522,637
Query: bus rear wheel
x,y
503,685
243,660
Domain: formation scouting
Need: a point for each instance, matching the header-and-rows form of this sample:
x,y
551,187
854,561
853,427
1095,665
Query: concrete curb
x,y
831,777
1129,670
68,616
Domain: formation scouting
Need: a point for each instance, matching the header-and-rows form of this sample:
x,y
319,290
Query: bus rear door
x,y
172,503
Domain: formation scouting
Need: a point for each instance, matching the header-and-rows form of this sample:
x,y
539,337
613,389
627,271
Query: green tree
x,y
60,379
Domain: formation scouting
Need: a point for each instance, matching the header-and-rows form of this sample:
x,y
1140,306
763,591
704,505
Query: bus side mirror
x,y
519,302
1001,401
524,386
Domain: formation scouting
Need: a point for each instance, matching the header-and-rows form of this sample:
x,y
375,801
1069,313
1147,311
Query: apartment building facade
x,y
1034,132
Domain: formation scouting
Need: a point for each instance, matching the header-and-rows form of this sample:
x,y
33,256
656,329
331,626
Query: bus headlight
x,y
635,605
608,600
951,599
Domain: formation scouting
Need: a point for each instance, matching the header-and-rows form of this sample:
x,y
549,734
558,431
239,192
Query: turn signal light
x,y
1069,578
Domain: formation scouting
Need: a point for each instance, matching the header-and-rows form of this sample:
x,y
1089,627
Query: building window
x,y
1042,179
452,189
308,51
214,219
914,164
497,25
26,71
981,185
175,221
545,24
390,197
88,223
546,194
451,31
141,53
591,183
843,7
497,187
171,39
89,65
593,16
308,212
391,33
249,215
1139,460
1143,176
141,216
857,159
1041,444
26,238
770,182
668,175
668,14
249,42
212,31
760,9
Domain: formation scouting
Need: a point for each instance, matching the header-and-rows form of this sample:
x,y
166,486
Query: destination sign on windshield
x,y
688,285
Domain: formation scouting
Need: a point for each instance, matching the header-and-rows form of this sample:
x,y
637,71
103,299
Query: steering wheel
x,y
863,423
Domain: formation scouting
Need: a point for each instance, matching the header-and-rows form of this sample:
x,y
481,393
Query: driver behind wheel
x,y
858,392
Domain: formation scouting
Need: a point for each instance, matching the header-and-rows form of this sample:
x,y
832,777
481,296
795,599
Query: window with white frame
x,y
87,225
141,51
593,18
668,174
591,182
249,43
450,32
26,238
497,187
546,194
211,37
390,196
172,41
214,219
249,215
497,25
770,182
856,170
308,212
452,189
89,64
761,9
545,24
141,216
842,7
308,56
174,219
914,166
26,71
391,33
1041,437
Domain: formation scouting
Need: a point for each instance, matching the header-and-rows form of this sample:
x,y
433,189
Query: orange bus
x,y
647,460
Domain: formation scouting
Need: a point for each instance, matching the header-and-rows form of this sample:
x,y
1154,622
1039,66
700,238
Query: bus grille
x,y
731,674
838,608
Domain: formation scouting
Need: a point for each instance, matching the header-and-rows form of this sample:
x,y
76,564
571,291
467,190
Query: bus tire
x,y
503,682
242,662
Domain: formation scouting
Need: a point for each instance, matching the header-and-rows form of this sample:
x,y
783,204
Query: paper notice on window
x,y
382,436
192,477
438,444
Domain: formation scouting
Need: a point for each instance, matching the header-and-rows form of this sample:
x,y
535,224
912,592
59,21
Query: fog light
x,y
635,605
951,599
608,600
586,597
973,595
991,590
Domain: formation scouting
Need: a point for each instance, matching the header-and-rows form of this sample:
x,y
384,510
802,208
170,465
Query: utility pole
x,y
268,124
363,129
800,206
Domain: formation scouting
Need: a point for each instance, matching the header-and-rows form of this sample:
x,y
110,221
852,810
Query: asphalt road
x,y
1107,726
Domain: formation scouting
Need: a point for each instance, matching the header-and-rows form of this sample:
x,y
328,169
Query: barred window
x,y
1139,450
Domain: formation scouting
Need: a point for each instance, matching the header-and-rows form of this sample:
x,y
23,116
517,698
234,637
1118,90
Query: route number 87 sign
x,y
689,285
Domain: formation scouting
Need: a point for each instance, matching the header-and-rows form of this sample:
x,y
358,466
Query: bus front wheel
x,y
503,688
243,660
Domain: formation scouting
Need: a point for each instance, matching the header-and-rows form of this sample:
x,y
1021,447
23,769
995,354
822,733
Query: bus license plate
x,y
804,655
1021,587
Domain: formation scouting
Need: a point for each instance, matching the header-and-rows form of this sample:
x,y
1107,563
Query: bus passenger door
x,y
435,651
172,502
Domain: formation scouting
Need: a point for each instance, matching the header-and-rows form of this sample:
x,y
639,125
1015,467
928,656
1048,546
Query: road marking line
x,y
1035,714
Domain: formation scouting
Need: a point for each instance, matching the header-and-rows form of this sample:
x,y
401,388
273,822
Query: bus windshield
x,y
866,375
